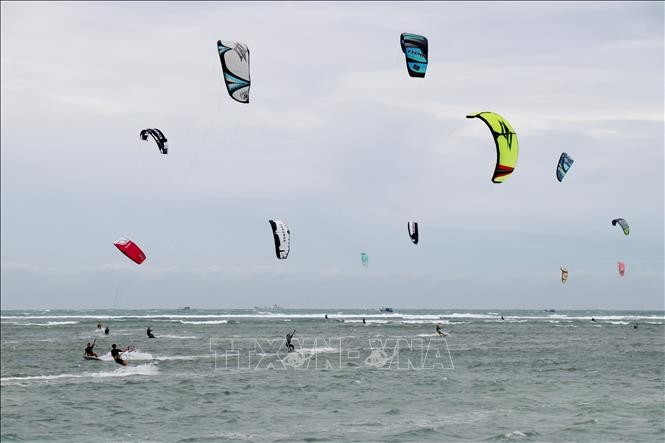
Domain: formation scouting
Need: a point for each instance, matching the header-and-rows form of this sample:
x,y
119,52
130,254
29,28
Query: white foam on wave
x,y
179,337
317,350
424,322
204,322
51,323
515,434
128,355
122,371
618,322
183,357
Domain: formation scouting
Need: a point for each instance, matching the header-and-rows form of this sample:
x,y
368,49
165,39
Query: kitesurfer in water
x,y
364,321
439,331
288,341
502,318
106,331
593,319
149,332
635,326
326,316
117,355
88,349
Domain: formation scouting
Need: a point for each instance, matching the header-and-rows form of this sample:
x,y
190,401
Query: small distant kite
x,y
412,227
565,162
564,275
131,250
158,136
622,268
364,259
282,237
414,47
623,223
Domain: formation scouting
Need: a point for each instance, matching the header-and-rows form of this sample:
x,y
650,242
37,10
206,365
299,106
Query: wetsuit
x,y
288,341
89,351
116,354
150,334
106,331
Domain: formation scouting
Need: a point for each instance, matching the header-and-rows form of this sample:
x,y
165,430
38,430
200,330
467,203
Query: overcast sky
x,y
341,144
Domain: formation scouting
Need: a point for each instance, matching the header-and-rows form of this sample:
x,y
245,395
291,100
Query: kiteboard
x,y
90,357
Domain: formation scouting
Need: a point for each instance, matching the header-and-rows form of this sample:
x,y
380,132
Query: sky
x,y
339,143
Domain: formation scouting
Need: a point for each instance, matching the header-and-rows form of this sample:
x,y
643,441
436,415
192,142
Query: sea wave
x,y
125,371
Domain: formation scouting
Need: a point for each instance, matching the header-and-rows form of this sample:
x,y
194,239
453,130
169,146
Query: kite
x,y
234,57
158,136
131,250
505,139
413,231
282,237
414,48
565,162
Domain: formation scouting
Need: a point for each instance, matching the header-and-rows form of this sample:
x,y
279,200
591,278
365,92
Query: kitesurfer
x,y
117,355
88,349
593,319
502,318
106,331
288,341
149,332
364,321
439,331
635,326
326,316
99,325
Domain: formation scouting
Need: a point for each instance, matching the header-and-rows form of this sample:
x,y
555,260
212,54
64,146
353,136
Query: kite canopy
x,y
158,136
282,237
622,268
414,47
413,231
364,259
623,223
131,250
565,162
234,57
564,275
505,139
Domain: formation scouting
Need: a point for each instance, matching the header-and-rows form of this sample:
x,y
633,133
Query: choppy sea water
x,y
226,376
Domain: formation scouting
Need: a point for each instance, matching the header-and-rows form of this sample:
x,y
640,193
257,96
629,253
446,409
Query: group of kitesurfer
x,y
116,352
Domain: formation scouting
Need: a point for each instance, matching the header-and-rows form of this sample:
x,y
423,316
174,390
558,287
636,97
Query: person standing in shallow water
x,y
106,331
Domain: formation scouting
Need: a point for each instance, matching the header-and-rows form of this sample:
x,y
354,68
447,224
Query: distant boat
x,y
549,310
273,308
185,308
386,310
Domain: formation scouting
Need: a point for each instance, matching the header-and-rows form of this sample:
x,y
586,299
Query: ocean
x,y
226,375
